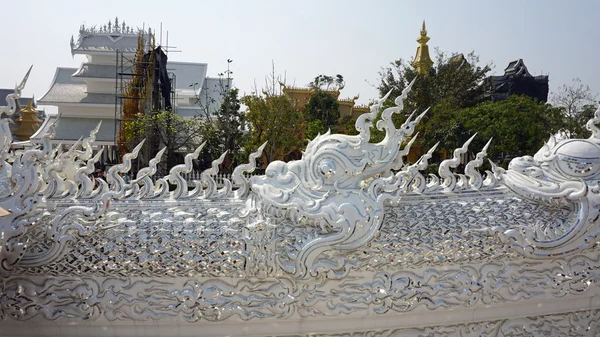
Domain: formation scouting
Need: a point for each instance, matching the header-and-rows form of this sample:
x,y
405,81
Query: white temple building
x,y
89,94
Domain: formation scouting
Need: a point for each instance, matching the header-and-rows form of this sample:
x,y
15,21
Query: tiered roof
x,y
107,38
96,71
65,90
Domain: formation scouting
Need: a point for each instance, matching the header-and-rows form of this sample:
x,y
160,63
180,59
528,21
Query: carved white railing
x,y
349,235
220,178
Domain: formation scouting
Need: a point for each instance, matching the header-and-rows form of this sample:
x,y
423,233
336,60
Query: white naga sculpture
x,y
347,241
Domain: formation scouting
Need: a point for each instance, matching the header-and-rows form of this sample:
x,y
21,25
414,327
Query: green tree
x,y
276,120
327,83
575,125
273,118
179,135
348,125
230,126
578,103
315,128
519,126
322,106
455,81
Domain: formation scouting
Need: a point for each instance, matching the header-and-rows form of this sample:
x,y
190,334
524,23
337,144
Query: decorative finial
x,y
422,62
117,24
24,81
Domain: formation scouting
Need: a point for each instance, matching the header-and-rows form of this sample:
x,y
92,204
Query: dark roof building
x,y
518,81
21,102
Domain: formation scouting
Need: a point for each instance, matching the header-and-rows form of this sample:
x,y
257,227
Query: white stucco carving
x,y
347,241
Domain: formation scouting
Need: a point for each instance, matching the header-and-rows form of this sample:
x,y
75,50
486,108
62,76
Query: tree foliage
x,y
179,135
348,125
455,81
573,98
578,103
315,128
575,125
276,120
519,126
324,107
456,90
230,125
327,83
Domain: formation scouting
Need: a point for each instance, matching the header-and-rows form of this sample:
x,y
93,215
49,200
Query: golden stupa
x,y
29,122
422,62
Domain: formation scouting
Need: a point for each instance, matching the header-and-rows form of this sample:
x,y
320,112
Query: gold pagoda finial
x,y
29,122
422,62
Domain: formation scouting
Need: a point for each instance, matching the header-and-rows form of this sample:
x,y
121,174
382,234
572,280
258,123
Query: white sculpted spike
x,y
5,167
87,144
419,183
209,181
409,125
114,179
363,122
61,231
175,177
11,99
390,187
475,178
144,176
399,162
448,178
59,174
400,99
83,177
238,173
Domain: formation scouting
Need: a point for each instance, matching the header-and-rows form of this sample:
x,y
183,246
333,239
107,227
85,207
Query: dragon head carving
x,y
324,187
566,173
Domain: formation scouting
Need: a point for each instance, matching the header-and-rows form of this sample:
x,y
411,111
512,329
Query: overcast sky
x,y
307,38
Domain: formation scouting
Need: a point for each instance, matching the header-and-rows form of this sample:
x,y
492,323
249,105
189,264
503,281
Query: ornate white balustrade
x,y
347,241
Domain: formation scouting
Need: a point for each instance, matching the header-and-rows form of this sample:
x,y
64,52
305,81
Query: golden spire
x,y
29,122
422,62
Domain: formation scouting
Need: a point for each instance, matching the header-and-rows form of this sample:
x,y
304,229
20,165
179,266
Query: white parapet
x,y
347,241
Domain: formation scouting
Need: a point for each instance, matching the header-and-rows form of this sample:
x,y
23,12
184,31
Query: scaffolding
x,y
148,98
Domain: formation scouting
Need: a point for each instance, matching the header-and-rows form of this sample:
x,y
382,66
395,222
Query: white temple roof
x,y
70,129
98,71
66,91
187,74
102,42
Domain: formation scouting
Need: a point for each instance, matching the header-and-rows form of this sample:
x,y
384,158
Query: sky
x,y
306,38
